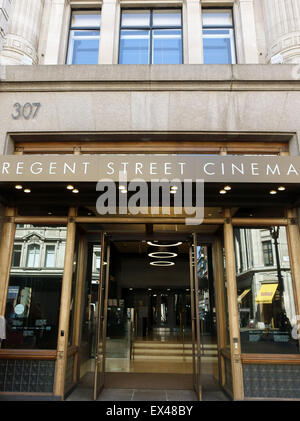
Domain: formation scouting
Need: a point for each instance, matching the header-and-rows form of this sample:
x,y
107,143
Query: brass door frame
x,y
228,221
102,318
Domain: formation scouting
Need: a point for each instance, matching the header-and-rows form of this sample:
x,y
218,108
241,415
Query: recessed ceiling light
x,y
70,187
227,188
174,187
130,289
121,187
162,254
49,213
124,191
164,245
173,191
281,188
18,187
149,289
163,263
273,192
223,191
27,191
75,191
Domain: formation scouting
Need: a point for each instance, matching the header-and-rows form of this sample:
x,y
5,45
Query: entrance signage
x,y
92,168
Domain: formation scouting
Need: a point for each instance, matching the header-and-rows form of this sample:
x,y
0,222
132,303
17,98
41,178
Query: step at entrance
x,y
147,350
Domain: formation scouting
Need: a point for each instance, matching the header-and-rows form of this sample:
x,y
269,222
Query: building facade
x,y
176,90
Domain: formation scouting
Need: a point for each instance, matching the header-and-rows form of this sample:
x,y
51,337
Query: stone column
x,y
193,34
108,34
5,6
248,31
21,44
55,32
282,23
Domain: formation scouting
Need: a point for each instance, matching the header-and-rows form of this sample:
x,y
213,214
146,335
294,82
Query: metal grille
x,y
69,372
271,381
228,374
34,376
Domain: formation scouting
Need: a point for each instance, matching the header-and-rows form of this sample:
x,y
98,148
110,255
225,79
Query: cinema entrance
x,y
153,324
151,301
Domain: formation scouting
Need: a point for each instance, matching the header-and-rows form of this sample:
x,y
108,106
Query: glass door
x,y
196,332
102,316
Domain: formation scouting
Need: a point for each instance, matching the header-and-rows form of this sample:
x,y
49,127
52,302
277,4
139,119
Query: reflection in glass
x,y
265,291
167,17
167,47
85,19
50,257
150,37
84,47
218,37
84,38
164,309
33,256
16,257
134,47
218,46
213,17
33,297
135,18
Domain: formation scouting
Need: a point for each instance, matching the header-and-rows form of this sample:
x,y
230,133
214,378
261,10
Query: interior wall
x,y
135,271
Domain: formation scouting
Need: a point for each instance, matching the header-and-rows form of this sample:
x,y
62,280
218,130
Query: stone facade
x,y
37,32
5,6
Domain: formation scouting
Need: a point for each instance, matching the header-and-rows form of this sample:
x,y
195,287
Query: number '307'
x,y
27,111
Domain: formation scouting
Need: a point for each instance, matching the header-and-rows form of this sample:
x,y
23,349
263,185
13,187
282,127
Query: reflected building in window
x,y
265,290
33,296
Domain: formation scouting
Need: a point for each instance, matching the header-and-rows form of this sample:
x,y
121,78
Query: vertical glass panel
x,y
83,47
167,18
134,47
226,300
16,258
135,18
90,311
33,255
164,309
75,276
86,19
265,292
217,17
33,297
167,47
50,257
218,46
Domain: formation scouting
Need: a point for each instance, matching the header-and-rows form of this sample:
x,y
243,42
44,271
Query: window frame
x,y
13,254
269,253
28,248
47,245
232,26
151,28
83,28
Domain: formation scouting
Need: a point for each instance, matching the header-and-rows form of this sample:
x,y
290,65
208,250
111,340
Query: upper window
x,y
267,253
84,37
33,256
151,36
16,258
218,36
50,256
